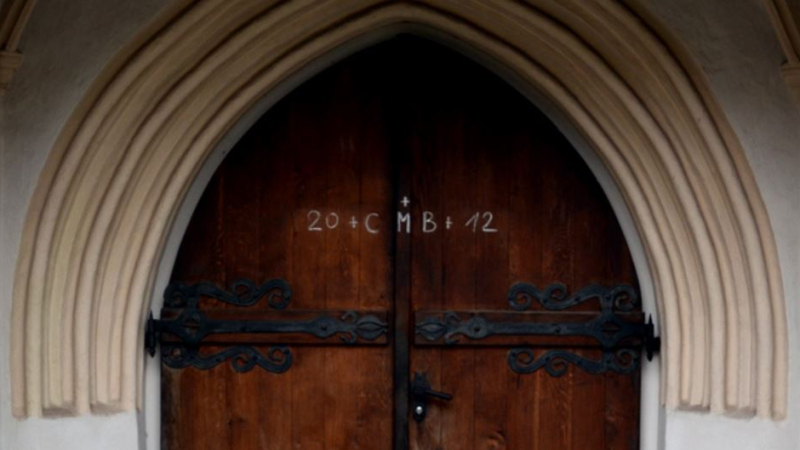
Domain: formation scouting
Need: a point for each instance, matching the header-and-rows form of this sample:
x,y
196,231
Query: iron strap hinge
x,y
185,331
618,330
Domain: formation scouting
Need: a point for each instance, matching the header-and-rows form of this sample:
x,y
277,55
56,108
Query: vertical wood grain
x,y
402,118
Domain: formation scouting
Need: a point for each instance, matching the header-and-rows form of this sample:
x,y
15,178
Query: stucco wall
x,y
67,43
737,48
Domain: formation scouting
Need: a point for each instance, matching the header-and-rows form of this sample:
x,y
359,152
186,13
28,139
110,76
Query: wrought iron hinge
x,y
651,343
151,335
617,331
185,330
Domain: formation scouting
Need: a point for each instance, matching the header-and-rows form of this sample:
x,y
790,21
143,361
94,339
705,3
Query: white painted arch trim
x,y
120,169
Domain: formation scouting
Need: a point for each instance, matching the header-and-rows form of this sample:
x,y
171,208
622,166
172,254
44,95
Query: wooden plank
x,y
555,395
425,176
488,135
276,197
373,421
240,416
308,262
621,407
459,272
526,244
588,391
183,414
588,402
343,365
621,411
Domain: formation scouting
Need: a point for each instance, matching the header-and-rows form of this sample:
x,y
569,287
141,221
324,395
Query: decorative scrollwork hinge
x,y
185,330
618,330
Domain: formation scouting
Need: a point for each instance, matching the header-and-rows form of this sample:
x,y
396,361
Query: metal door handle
x,y
437,394
420,393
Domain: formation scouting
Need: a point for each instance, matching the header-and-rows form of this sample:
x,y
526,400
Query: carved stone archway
x,y
121,167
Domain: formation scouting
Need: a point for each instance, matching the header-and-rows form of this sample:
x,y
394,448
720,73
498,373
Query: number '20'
x,y
314,216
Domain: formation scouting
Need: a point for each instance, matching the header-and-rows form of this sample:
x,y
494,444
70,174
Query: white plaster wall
x,y
736,46
66,44
68,41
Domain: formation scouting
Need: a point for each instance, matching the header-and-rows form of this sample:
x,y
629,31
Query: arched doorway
x,y
113,189
412,187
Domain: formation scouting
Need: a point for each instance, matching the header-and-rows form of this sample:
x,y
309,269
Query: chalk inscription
x,y
427,223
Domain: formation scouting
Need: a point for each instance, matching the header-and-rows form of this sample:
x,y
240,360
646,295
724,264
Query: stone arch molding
x,y
110,189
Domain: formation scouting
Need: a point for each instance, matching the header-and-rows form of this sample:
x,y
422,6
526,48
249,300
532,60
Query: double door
x,y
400,218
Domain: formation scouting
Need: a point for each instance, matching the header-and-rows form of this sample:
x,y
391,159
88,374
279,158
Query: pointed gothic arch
x,y
120,169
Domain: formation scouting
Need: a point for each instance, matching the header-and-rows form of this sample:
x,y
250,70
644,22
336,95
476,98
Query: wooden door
x,y
403,186
513,205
